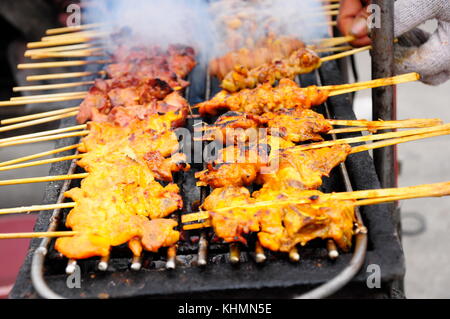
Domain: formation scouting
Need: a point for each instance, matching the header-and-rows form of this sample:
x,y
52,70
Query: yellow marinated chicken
x,y
265,98
281,219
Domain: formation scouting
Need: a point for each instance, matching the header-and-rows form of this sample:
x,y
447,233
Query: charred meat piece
x,y
265,98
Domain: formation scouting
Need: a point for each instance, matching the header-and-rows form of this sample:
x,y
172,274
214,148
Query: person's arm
x,y
429,57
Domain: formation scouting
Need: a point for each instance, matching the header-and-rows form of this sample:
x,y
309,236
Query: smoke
x,y
205,25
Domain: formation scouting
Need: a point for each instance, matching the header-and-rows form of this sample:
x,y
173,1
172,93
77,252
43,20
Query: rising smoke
x,y
209,25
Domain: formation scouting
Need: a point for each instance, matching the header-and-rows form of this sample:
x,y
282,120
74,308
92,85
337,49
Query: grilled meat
x,y
265,98
299,62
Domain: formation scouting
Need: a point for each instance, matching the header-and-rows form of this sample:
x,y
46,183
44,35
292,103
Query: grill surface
x,y
277,277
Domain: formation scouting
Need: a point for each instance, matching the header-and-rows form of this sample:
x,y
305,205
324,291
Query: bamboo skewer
x,y
347,88
37,115
18,102
60,64
29,53
59,42
67,75
44,138
369,197
51,86
41,162
38,235
438,130
38,155
38,121
42,179
47,96
362,125
43,133
73,28
346,53
331,42
396,141
69,54
90,34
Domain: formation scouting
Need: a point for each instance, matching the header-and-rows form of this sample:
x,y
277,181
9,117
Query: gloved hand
x,y
430,58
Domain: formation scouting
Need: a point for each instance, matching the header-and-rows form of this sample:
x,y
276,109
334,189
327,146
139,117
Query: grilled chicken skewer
x,y
283,220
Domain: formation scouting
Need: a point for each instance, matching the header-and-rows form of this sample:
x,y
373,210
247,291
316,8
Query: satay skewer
x,y
39,155
73,28
41,162
27,98
60,64
69,54
66,75
24,101
51,86
37,121
43,179
35,116
362,198
387,140
63,48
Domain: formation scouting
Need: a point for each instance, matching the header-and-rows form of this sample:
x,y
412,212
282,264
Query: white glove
x,y
432,58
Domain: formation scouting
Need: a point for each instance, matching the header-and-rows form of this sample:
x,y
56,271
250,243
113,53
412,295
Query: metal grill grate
x,y
277,277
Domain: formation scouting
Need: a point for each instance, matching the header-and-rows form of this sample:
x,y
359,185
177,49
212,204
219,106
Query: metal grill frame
x,y
278,278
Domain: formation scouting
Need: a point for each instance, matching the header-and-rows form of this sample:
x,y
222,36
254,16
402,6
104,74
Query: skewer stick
x,y
103,263
51,86
42,179
331,42
396,141
235,253
71,266
67,75
69,54
37,115
54,43
333,252
41,162
38,121
47,96
38,155
43,100
38,235
260,256
36,208
332,49
362,125
202,250
331,6
397,123
60,64
346,53
399,79
92,34
438,129
44,133
73,28
29,53
171,257
136,263
45,138
294,256
366,197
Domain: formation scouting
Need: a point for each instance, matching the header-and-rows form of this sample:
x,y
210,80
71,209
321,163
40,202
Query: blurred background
x,y
425,221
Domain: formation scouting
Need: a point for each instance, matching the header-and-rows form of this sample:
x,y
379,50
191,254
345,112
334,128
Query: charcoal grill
x,y
43,272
